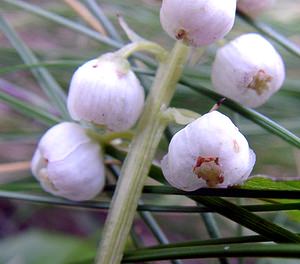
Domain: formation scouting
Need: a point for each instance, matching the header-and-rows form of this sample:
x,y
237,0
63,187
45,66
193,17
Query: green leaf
x,y
264,183
28,110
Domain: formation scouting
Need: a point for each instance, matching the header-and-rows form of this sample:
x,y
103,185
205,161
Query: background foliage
x,y
41,44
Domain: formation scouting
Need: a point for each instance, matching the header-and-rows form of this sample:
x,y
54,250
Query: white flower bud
x,y
254,7
197,22
209,152
248,70
68,164
106,92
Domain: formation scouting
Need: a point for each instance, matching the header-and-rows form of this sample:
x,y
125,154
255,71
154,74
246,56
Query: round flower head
x,y
68,164
106,92
197,22
254,7
209,152
248,70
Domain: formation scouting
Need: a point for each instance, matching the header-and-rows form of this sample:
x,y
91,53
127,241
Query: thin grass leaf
x,y
44,78
15,191
203,209
213,230
46,64
248,113
271,33
218,241
19,136
76,27
219,192
244,250
99,14
156,230
249,220
26,109
63,21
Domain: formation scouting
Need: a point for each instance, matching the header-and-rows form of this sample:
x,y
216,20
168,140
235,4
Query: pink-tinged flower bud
x,y
254,7
248,70
197,22
106,92
68,164
209,152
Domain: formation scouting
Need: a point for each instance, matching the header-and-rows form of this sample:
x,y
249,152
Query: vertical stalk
x,y
138,161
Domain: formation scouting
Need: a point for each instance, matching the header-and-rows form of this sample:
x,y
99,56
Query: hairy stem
x,y
137,164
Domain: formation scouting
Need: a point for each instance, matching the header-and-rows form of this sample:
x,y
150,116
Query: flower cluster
x,y
209,152
104,92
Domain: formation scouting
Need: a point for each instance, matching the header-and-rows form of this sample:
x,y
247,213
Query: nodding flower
x,y
248,70
106,92
68,164
197,22
209,152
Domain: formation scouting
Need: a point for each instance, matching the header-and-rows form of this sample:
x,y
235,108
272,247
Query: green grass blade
x,y
30,186
213,230
248,113
156,230
19,136
63,21
46,64
99,14
220,192
244,250
28,110
272,34
24,95
76,27
249,220
218,241
45,80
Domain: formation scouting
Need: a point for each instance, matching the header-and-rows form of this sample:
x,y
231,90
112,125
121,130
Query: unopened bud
x,y
209,152
68,164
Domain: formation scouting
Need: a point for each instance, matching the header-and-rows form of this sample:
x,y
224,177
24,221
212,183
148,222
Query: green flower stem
x,y
139,159
151,47
106,139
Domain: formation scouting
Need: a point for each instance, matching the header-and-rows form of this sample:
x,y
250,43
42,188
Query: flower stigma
x,y
208,169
